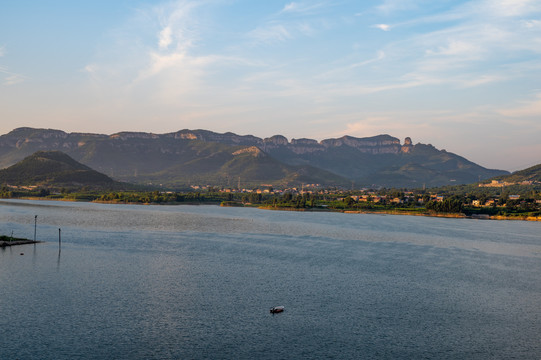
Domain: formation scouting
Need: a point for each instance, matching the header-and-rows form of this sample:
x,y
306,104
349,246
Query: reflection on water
x,y
140,282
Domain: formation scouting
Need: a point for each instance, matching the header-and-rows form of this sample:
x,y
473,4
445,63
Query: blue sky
x,y
464,76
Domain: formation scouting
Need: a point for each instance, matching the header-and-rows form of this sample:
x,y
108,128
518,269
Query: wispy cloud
x,y
464,42
389,6
304,7
9,77
271,33
176,31
454,48
507,8
178,24
296,19
90,68
531,24
175,71
379,56
345,71
162,62
13,79
527,108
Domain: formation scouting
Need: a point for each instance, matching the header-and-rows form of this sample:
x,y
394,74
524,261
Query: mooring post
x,y
35,226
59,238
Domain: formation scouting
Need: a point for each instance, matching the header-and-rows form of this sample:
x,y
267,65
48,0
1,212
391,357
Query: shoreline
x,y
16,241
408,213
383,212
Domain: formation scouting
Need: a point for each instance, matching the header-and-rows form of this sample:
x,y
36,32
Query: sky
x,y
464,76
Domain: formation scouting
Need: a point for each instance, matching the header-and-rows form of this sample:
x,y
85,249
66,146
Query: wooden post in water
x,y
59,238
35,226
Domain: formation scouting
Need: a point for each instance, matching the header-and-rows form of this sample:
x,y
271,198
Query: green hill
x,y
532,174
222,165
53,169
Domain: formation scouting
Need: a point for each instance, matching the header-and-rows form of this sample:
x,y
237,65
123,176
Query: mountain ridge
x,y
171,158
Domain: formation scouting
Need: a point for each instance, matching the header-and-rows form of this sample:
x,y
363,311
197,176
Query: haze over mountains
x,y
201,157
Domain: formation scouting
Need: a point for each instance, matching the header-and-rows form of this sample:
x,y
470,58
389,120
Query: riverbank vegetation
x,y
512,202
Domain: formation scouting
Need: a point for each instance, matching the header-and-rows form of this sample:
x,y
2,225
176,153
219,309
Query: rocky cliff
x,y
137,156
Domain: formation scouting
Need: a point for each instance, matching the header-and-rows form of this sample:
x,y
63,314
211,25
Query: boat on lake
x,y
277,309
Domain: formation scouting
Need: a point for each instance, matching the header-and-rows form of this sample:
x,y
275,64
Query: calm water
x,y
197,282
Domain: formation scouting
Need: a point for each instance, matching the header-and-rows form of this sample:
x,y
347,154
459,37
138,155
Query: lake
x,y
197,282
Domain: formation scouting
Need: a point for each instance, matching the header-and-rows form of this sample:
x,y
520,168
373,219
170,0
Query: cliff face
x,y
209,136
406,148
131,155
46,139
382,144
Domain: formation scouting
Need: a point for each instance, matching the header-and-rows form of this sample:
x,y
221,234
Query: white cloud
x,y
290,7
531,24
455,48
509,8
159,63
383,27
129,58
91,68
178,24
165,37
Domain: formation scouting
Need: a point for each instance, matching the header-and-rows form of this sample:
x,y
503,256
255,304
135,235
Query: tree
x,y
504,197
349,201
451,205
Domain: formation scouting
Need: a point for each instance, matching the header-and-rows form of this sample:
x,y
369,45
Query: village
x,y
499,198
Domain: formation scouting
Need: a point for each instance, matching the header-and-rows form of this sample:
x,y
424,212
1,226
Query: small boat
x,y
277,309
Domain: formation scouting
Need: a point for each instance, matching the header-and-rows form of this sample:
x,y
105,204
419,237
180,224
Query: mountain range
x,y
188,157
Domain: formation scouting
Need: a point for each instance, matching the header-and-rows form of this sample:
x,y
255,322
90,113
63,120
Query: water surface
x,y
197,282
